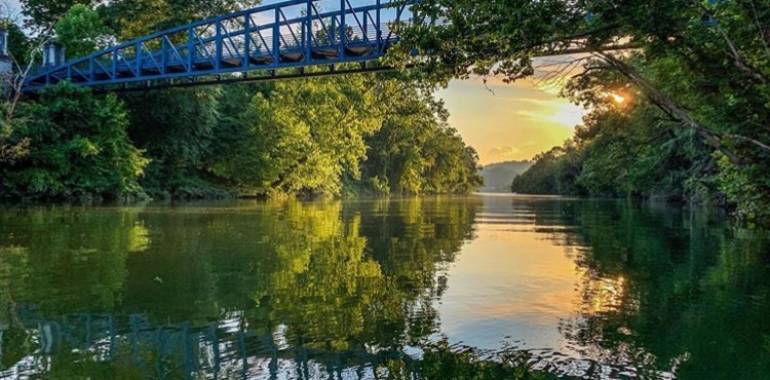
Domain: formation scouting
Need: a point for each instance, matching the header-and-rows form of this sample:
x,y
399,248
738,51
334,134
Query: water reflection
x,y
466,288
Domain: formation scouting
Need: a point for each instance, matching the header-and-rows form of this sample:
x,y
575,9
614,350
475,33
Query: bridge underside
x,y
285,40
247,77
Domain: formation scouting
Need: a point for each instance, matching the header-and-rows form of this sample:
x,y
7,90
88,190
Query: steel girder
x,y
291,34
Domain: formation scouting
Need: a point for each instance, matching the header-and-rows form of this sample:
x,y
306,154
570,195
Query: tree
x,y
415,151
19,45
541,177
78,148
80,30
303,136
339,135
43,14
176,128
133,18
702,69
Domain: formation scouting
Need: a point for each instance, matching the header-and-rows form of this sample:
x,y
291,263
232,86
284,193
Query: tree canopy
x,y
314,137
696,75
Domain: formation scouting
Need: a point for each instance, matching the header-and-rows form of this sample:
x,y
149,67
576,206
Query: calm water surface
x,y
480,287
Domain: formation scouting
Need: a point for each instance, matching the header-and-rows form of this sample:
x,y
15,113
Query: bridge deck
x,y
290,34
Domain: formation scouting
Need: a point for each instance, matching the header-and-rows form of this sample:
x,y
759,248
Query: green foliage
x,y
18,43
698,80
44,14
329,136
78,147
175,128
624,151
80,30
540,179
332,136
747,186
301,137
415,151
133,18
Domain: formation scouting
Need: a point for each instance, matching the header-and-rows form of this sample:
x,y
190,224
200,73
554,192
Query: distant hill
x,y
498,177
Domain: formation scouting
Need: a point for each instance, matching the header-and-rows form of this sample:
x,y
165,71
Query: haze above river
x,y
365,289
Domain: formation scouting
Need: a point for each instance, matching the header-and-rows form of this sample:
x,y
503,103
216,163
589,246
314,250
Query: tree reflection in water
x,y
349,290
667,288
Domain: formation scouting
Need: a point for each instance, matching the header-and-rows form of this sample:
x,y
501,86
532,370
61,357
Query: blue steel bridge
x,y
273,41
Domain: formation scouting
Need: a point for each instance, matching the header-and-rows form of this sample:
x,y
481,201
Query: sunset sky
x,y
509,121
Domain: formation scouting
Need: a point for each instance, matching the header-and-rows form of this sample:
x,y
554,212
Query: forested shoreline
x,y
678,91
679,112
337,136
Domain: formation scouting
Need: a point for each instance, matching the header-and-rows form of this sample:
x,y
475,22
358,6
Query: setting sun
x,y
619,99
510,122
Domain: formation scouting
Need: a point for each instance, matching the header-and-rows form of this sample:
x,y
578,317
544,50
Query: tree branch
x,y
668,105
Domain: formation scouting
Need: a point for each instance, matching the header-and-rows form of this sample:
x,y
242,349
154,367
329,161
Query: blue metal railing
x,y
289,34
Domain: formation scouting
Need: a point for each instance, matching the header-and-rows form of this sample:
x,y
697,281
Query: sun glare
x,y
567,114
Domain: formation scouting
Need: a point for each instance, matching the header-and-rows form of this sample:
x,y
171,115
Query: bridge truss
x,y
268,42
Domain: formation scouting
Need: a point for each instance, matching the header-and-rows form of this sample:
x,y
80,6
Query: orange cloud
x,y
509,121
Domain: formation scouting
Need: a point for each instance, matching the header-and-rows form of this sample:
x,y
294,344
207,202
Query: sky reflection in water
x,y
435,288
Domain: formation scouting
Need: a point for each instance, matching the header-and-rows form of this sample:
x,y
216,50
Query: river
x,y
484,286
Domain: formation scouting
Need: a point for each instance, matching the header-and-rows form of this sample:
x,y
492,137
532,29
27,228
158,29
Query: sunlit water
x,y
375,289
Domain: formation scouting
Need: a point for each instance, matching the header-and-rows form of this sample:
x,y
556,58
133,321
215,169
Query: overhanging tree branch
x,y
669,106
